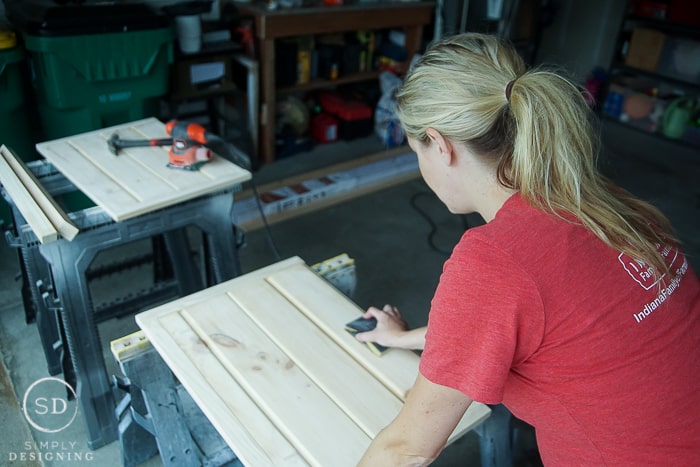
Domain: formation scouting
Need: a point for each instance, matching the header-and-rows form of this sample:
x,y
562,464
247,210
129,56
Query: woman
x,y
572,305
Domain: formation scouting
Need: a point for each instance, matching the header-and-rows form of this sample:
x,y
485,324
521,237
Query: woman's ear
x,y
444,145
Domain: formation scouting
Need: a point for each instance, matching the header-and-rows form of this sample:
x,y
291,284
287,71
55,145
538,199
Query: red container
x,y
354,116
324,128
684,11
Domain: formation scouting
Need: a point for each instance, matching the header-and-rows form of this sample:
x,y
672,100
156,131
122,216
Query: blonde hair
x,y
541,137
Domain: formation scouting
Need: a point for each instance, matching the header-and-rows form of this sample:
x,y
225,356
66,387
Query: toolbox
x,y
94,63
354,116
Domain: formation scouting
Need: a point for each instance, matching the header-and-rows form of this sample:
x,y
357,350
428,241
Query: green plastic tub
x,y
88,82
94,64
15,128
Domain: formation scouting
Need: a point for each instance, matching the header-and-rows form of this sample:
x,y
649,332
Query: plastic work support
x,y
158,416
67,263
37,289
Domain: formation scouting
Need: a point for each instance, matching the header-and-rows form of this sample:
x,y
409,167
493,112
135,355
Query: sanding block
x,y
363,325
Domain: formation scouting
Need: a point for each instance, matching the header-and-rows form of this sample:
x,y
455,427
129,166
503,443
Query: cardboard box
x,y
198,75
645,49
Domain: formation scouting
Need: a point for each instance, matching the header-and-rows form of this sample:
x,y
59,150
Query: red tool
x,y
188,140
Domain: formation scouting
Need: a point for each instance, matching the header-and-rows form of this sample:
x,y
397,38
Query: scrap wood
x,y
41,212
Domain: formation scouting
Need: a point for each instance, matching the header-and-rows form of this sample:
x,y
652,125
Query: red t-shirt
x,y
574,338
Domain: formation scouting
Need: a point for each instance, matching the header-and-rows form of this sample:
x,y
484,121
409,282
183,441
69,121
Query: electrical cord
x,y
242,160
266,225
433,227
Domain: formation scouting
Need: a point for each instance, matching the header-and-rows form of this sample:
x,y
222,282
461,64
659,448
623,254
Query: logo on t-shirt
x,y
643,273
638,270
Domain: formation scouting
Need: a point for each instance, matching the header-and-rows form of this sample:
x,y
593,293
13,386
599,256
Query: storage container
x,y
15,131
354,116
94,63
15,128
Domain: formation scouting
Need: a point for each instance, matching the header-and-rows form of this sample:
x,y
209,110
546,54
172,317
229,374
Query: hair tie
x,y
509,87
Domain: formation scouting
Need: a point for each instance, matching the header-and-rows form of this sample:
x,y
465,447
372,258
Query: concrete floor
x,y
398,261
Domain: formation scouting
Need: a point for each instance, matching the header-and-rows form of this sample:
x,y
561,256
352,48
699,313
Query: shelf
x,y
656,76
656,54
321,83
269,26
663,25
679,142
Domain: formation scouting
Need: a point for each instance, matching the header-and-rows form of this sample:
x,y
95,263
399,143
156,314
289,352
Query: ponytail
x,y
536,128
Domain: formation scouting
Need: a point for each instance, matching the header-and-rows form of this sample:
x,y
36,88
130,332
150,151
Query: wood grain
x,y
330,310
254,438
266,357
39,209
352,387
137,180
299,409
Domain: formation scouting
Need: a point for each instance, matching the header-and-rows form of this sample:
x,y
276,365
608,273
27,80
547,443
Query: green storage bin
x,y
94,64
15,129
91,81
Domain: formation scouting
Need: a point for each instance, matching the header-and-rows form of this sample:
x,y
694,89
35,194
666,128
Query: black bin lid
x,y
78,17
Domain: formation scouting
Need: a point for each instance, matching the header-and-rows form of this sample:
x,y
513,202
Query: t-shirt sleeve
x,y
486,318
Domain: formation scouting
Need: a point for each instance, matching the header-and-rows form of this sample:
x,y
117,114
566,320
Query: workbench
x,y
136,197
271,25
267,359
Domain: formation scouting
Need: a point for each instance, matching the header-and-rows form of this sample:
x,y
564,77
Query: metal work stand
x,y
58,270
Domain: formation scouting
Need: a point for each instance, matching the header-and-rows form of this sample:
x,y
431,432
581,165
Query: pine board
x,y
39,209
137,180
266,358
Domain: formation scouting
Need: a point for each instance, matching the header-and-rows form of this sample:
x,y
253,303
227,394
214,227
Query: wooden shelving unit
x,y
272,25
320,83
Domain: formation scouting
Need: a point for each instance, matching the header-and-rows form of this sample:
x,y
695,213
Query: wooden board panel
x,y
241,423
39,209
332,369
136,181
397,369
307,417
252,436
271,378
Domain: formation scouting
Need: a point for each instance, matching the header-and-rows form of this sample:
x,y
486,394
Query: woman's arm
x,y
420,431
392,330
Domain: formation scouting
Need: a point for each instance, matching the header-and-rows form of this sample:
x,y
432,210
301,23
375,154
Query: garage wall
x,y
583,35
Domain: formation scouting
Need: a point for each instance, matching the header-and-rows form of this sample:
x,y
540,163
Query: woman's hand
x,y
392,329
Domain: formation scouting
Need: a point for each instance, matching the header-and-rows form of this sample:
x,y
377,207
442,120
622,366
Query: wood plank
x,y
231,415
136,181
299,409
25,202
330,368
328,201
319,20
396,369
244,427
150,163
224,393
43,199
318,173
149,319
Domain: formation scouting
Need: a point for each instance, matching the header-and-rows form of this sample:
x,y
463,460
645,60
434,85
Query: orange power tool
x,y
187,144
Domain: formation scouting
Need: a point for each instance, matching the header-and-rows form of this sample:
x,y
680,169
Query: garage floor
x,y
399,238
